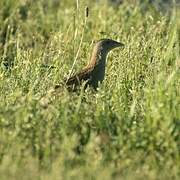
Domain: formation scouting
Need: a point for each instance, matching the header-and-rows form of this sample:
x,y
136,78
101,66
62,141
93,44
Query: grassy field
x,y
129,129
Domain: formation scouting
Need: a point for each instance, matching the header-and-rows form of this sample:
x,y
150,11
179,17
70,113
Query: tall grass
x,y
129,129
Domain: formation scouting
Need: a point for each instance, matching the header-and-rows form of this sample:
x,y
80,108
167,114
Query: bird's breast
x,y
97,76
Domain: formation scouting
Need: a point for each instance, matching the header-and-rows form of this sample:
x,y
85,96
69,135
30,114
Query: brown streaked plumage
x,y
94,72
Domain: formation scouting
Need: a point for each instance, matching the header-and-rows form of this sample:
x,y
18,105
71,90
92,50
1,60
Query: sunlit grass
x,y
129,129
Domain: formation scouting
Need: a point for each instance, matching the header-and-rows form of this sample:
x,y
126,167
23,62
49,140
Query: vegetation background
x,y
129,129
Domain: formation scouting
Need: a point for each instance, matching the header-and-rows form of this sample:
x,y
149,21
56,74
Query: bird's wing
x,y
76,79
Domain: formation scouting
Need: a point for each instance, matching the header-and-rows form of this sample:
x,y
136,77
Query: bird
x,y
93,73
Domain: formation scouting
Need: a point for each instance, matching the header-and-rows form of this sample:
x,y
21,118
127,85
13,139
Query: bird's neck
x,y
98,58
97,63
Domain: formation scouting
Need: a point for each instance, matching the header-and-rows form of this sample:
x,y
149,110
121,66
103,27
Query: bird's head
x,y
107,45
101,49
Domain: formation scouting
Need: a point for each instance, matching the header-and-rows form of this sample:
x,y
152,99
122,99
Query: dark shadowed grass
x,y
129,129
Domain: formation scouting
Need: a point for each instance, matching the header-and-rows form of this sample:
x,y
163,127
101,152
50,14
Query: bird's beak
x,y
116,45
119,44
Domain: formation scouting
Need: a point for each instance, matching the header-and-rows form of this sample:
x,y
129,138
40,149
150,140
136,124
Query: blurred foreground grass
x,y
128,130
